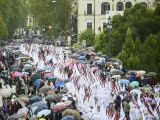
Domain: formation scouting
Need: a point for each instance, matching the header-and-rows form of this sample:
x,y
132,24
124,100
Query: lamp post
x,y
109,29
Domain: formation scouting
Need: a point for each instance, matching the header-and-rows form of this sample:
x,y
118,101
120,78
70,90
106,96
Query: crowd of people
x,y
43,82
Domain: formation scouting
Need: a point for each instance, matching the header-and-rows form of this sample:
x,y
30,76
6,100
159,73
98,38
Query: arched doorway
x,y
128,5
120,6
105,6
144,3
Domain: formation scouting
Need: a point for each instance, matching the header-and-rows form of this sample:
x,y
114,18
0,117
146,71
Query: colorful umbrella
x,y
134,84
124,81
15,74
59,106
52,77
92,53
49,74
43,112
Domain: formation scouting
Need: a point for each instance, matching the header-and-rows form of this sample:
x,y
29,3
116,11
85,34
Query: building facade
x,y
103,9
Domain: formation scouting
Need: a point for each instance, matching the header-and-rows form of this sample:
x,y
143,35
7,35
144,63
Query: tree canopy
x,y
13,14
135,38
57,14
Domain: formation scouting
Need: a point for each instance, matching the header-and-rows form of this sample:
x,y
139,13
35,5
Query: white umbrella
x,y
44,112
116,76
23,111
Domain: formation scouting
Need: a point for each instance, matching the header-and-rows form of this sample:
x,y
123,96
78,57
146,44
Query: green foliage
x,y
3,28
56,14
87,35
133,62
128,45
14,13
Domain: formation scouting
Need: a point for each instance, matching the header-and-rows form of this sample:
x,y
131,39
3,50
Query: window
x,y
120,6
89,8
105,7
128,5
89,25
104,25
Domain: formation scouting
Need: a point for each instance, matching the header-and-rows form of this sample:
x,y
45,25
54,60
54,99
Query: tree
x,y
14,14
3,28
133,62
128,45
88,36
57,14
123,57
138,47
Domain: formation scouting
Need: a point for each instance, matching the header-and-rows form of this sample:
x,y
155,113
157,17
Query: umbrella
x,y
36,76
151,74
116,76
52,77
68,102
99,53
117,72
81,58
23,112
45,89
68,97
28,66
75,55
35,99
104,56
48,68
124,81
58,84
115,60
59,106
71,112
43,112
14,117
37,82
97,58
40,108
92,53
37,104
49,74
140,73
132,71
55,97
51,92
15,74
24,73
68,118
134,84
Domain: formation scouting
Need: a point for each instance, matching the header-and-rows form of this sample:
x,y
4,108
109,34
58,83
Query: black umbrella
x,y
55,97
151,74
34,99
117,72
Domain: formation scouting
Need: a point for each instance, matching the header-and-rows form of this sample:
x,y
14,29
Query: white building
x,y
103,9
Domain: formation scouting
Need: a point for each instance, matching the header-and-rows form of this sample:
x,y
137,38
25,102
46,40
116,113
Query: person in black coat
x,y
117,103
